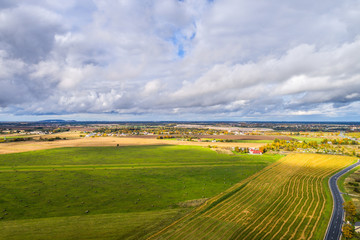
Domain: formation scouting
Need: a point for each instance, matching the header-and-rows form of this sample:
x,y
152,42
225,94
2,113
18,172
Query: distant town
x,y
282,137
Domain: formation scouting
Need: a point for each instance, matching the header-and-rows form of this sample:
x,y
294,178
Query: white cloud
x,y
222,58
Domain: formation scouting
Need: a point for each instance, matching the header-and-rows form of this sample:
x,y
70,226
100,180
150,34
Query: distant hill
x,y
56,121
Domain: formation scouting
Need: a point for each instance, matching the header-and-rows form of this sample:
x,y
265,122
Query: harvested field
x,y
14,147
287,200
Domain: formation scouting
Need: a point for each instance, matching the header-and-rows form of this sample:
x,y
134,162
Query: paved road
x,y
334,228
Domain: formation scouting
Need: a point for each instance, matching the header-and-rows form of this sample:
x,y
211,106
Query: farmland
x,y
308,139
16,147
353,134
116,192
286,200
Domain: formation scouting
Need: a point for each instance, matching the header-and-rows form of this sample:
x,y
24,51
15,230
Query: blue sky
x,y
180,60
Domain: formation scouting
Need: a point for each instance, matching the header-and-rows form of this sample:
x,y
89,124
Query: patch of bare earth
x,y
222,150
193,203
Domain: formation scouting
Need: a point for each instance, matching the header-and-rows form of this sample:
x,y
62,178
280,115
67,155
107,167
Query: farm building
x,y
255,151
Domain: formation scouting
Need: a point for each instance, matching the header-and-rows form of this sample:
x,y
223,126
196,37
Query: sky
x,y
194,60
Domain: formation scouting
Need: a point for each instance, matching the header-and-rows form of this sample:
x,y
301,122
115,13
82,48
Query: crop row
x,y
283,201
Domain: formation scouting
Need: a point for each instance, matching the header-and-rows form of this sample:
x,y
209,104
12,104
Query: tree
x,y
262,149
350,210
348,231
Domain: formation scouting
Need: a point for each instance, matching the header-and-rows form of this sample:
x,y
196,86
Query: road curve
x,y
334,228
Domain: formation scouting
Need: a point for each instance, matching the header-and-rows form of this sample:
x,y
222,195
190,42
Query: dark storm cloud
x,y
27,32
7,4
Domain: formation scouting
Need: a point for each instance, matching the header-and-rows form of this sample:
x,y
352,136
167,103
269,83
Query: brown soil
x,y
193,203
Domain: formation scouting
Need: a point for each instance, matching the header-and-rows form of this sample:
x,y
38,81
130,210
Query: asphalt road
x,y
334,228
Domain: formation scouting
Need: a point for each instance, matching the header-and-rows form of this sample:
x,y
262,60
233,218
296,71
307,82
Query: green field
x,y
308,139
126,155
15,138
232,140
253,141
134,225
353,134
238,140
100,192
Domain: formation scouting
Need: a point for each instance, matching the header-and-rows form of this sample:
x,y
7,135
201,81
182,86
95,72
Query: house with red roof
x,y
255,151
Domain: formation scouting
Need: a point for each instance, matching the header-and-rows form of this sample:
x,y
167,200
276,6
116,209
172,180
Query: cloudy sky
x,y
180,60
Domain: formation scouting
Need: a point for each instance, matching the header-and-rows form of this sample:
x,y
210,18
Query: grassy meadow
x,y
111,192
308,139
237,140
349,183
287,200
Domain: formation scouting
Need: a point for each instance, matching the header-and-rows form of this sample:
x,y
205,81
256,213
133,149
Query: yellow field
x,y
354,134
14,147
287,200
